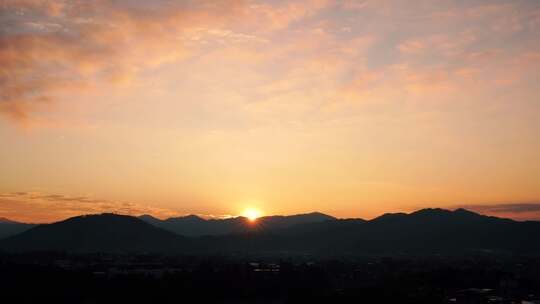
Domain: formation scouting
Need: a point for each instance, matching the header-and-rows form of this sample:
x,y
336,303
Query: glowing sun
x,y
252,214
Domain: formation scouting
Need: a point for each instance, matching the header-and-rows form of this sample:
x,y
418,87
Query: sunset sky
x,y
351,108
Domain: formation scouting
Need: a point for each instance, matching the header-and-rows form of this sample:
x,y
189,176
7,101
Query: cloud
x,y
58,50
519,211
37,207
445,45
41,207
281,16
518,208
49,49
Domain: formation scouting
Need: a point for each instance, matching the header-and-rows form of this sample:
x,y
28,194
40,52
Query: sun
x,y
252,214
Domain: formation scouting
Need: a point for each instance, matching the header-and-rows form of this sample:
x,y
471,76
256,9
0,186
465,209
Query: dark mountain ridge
x,y
9,227
193,225
433,231
96,233
4,220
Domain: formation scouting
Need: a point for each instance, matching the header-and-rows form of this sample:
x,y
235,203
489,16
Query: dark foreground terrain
x,y
110,278
428,256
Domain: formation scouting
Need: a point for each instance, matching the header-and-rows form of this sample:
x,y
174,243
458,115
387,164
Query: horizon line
x,y
207,218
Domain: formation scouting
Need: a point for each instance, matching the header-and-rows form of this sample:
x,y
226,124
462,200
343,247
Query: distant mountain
x,y
424,231
193,225
9,227
4,220
96,233
150,219
433,231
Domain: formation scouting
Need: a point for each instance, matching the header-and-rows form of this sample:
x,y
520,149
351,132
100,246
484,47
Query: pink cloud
x,y
48,48
52,49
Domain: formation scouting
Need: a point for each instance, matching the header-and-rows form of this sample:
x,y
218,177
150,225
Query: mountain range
x,y
95,233
425,231
9,227
193,225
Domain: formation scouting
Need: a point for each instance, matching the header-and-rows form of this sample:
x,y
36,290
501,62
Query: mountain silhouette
x,y
9,227
95,233
432,231
4,220
436,230
193,225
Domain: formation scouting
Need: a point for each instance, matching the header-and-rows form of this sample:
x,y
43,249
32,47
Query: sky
x,y
351,108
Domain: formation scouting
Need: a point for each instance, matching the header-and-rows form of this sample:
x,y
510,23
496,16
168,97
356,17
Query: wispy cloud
x,y
438,95
519,211
42,207
52,48
38,207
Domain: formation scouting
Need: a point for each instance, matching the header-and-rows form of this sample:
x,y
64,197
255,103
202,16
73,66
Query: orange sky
x,y
352,108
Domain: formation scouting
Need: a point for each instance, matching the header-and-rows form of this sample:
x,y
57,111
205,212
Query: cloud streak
x,y
519,211
40,207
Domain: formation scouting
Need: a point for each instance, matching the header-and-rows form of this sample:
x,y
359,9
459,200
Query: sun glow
x,y
252,214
